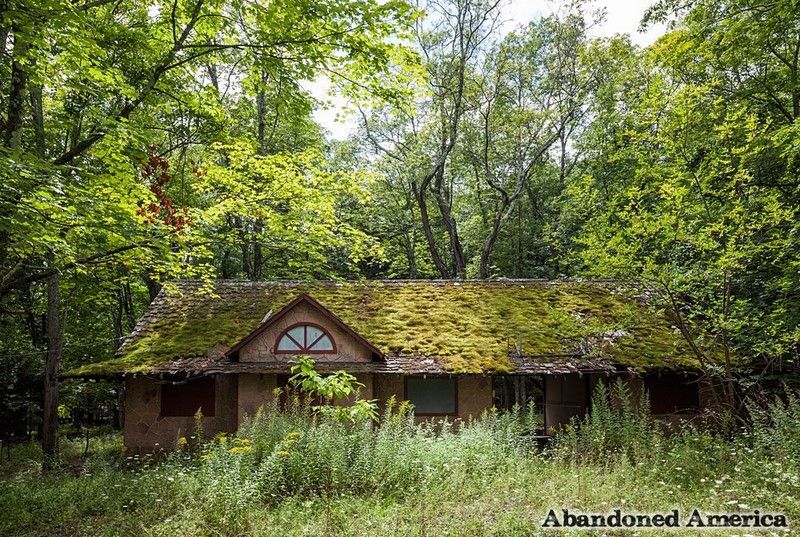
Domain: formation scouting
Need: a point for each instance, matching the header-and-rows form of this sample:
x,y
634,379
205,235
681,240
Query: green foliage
x,y
619,424
540,153
295,206
334,390
302,453
775,433
140,142
339,384
307,473
675,166
692,184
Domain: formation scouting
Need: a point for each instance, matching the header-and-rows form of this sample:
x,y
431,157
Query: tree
x,y
692,188
491,114
89,86
450,45
532,96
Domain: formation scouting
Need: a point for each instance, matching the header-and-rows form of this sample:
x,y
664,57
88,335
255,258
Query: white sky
x,y
621,17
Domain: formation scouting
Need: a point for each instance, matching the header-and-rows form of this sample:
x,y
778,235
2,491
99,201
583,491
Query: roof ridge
x,y
604,281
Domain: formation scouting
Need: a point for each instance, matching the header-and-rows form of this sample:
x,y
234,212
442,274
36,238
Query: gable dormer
x,y
304,327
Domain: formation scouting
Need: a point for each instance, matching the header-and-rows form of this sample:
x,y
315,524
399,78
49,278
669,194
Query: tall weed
x,y
618,424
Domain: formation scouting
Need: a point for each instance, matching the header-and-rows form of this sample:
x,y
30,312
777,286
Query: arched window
x,y
305,338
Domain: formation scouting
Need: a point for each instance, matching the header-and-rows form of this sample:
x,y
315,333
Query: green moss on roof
x,y
469,327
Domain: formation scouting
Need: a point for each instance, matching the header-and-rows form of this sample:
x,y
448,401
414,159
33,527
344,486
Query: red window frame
x,y
305,349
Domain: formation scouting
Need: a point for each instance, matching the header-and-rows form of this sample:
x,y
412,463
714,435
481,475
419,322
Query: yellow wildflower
x,y
283,453
182,442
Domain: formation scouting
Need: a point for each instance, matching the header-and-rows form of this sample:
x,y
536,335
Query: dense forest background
x,y
142,142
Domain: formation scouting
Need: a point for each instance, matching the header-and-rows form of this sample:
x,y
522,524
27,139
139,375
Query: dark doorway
x,y
672,393
519,390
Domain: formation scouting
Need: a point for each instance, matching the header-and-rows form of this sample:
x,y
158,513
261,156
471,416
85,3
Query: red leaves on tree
x,y
156,172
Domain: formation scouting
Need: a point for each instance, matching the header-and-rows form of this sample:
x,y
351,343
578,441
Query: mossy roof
x,y
464,326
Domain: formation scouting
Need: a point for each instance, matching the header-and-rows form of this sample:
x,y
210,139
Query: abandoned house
x,y
451,348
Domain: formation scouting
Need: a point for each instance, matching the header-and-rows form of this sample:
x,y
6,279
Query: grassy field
x,y
291,474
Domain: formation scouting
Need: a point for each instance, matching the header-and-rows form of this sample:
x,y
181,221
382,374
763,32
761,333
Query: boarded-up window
x,y
432,396
670,393
187,398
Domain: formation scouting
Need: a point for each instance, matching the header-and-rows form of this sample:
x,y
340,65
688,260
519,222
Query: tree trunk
x,y
54,345
500,219
488,248
258,255
419,195
153,287
4,30
211,69
116,321
38,120
411,255
127,306
261,121
443,200
16,96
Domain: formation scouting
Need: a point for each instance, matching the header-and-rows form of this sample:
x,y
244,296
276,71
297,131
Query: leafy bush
x,y
297,452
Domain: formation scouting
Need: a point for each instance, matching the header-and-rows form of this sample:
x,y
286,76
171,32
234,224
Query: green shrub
x,y
278,454
619,424
297,471
775,428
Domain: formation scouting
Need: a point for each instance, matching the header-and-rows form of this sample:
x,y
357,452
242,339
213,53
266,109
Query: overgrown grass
x,y
293,473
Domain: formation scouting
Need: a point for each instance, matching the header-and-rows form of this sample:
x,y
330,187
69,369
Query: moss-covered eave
x,y
119,367
467,327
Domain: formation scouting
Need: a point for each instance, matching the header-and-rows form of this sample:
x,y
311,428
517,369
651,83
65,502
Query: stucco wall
x,y
367,390
254,391
386,386
257,390
146,430
474,393
262,348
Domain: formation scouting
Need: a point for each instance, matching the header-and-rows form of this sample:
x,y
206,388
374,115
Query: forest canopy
x,y
148,141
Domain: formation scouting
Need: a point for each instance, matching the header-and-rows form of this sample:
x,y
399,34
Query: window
x,y
305,338
432,396
180,400
672,393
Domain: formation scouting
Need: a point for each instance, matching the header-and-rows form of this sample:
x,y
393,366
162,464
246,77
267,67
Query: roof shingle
x,y
524,326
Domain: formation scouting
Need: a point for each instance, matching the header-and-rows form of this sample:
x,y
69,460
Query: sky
x,y
621,17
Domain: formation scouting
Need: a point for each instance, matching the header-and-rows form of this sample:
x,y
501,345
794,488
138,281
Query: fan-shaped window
x,y
305,338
